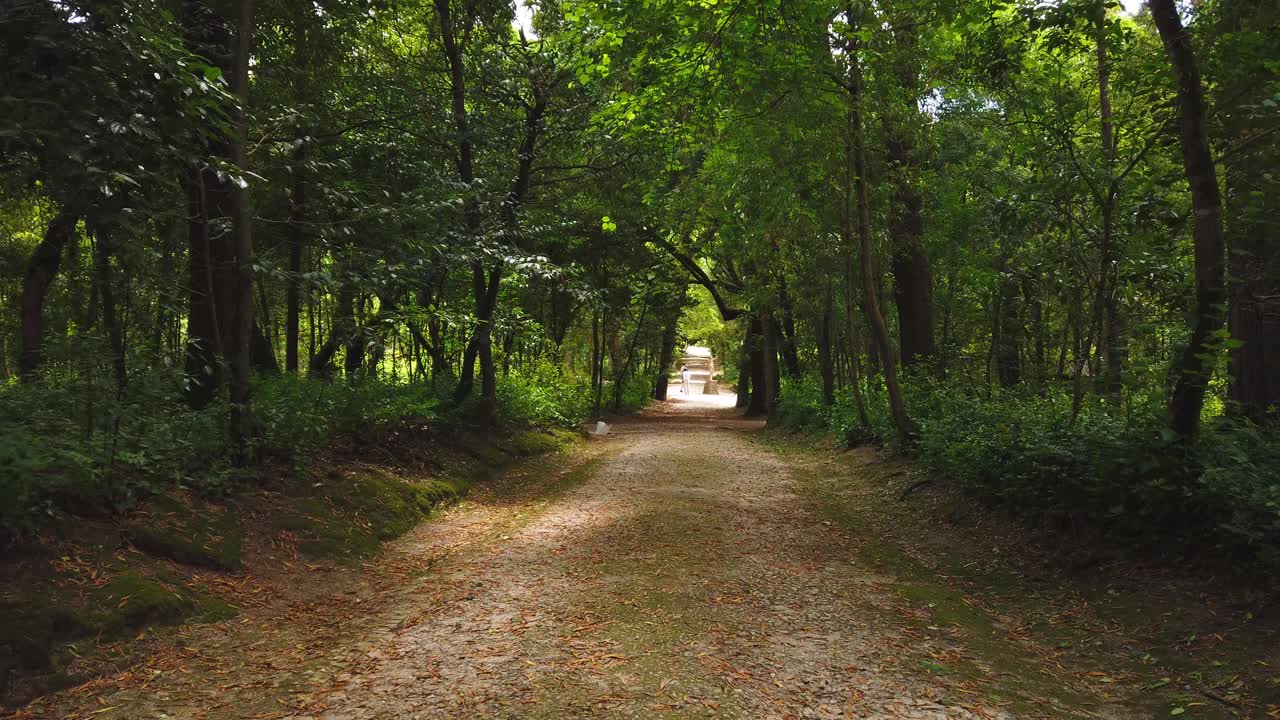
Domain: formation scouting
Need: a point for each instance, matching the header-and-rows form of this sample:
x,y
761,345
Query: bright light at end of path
x,y
524,18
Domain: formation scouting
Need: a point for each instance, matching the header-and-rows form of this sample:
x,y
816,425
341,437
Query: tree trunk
x,y
296,241
786,332
262,356
1107,301
1196,366
1009,331
758,405
1252,185
665,353
242,431
826,364
770,351
597,338
880,331
349,306
478,347
1033,302
913,280
297,231
213,281
342,330
42,268
110,321
855,357
484,289
321,365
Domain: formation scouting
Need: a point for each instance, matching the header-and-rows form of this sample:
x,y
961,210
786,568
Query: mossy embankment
x,y
87,597
1053,613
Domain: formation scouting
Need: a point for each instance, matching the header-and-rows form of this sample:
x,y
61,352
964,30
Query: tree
x,y
216,219
1193,370
1246,80
853,86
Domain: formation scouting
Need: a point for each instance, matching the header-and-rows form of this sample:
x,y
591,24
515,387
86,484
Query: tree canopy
x,y
997,228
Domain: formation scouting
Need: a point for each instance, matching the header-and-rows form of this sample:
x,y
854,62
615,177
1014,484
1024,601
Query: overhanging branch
x,y
700,276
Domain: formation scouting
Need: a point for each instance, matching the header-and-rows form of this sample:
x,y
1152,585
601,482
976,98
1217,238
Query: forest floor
x,y
687,566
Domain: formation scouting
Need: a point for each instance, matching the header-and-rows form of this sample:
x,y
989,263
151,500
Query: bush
x,y
637,391
82,446
299,414
543,396
1114,469
72,443
800,405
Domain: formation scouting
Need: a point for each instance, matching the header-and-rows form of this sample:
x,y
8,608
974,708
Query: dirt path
x,y
683,578
682,575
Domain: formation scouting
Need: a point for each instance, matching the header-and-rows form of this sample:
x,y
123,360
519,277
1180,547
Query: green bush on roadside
x,y
1113,467
73,446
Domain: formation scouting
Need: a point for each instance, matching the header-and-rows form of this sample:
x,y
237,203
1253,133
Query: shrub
x,y
299,414
1114,468
544,396
85,447
73,443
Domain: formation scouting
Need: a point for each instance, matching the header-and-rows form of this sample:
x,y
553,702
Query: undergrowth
x,y
1114,468
76,447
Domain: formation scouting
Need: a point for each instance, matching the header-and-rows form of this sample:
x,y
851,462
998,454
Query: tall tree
x,y
213,229
41,270
912,276
1246,79
856,139
1193,370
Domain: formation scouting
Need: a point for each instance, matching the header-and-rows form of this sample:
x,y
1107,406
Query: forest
x,y
1033,246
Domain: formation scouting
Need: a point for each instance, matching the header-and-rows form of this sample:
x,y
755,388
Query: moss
x,y
534,442
170,528
389,506
326,535
131,601
888,557
39,630
364,512
947,606
567,436
489,455
30,628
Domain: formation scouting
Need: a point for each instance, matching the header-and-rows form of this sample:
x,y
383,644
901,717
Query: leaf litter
x,y
681,576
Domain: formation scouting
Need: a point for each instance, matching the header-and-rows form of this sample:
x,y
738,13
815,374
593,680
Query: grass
x,y
1007,672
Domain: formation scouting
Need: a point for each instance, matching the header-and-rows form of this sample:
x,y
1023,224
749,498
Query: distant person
x,y
684,379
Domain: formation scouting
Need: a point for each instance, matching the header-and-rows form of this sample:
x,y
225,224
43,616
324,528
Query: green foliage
x,y
80,446
1119,473
544,395
800,406
70,447
301,414
637,392
701,325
